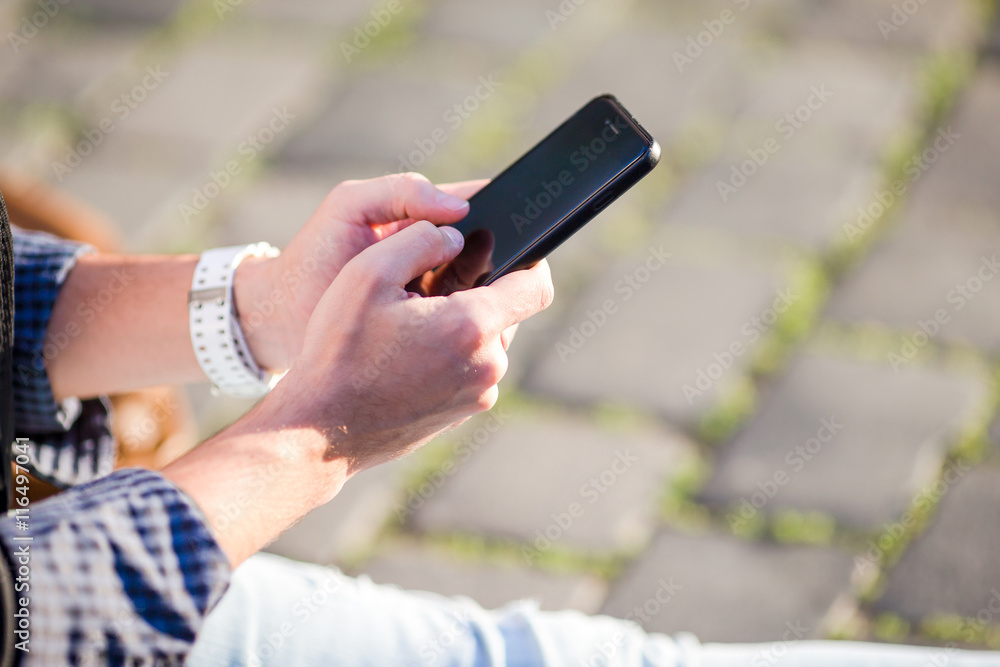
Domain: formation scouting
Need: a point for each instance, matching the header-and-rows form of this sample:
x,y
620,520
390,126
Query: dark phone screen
x,y
548,183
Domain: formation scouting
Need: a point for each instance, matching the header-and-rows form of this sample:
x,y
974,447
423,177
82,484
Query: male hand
x,y
275,298
383,369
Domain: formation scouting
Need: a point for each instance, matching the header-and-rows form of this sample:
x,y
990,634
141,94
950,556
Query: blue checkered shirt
x,y
122,568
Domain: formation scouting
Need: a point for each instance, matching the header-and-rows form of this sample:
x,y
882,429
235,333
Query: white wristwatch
x,y
218,340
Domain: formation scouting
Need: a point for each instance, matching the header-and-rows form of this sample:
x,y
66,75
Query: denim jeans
x,y
280,612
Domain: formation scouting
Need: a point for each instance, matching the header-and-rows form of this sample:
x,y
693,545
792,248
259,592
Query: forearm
x,y
259,476
121,322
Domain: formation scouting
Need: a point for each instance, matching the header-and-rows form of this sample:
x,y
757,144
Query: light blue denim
x,y
280,612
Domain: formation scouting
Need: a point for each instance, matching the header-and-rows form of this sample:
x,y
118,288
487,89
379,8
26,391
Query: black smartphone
x,y
553,190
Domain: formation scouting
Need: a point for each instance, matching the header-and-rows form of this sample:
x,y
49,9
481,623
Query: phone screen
x,y
548,184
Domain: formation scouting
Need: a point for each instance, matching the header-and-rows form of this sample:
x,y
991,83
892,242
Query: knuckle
x,y
470,335
467,334
409,182
427,234
344,187
426,230
486,400
494,371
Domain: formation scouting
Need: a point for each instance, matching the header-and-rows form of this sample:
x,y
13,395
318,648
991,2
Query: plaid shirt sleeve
x,y
120,571
123,568
70,441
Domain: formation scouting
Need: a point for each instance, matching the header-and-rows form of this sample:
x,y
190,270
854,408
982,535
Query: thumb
x,y
410,252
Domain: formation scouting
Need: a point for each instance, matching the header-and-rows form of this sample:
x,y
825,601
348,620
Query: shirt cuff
x,y
122,569
41,264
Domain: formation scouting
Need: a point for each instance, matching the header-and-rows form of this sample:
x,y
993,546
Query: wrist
x,y
259,304
296,440
259,476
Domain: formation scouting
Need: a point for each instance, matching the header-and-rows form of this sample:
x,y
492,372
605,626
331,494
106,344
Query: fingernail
x,y
452,235
451,202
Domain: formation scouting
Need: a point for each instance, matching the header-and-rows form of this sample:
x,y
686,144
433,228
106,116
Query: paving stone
x,y
111,11
882,22
594,250
995,432
939,262
424,568
853,439
12,15
636,65
511,25
350,523
992,45
952,568
228,88
725,589
400,119
331,15
600,486
961,176
859,99
930,281
274,208
795,197
134,179
680,324
798,179
57,66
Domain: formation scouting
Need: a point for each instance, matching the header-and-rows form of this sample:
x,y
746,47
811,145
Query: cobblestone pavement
x,y
789,422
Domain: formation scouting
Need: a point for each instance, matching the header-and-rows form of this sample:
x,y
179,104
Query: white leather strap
x,y
216,335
